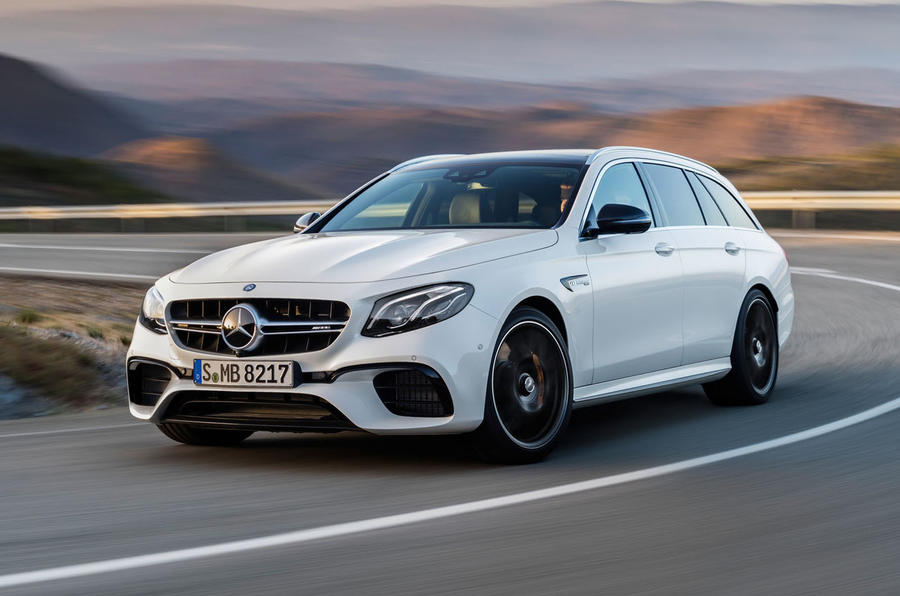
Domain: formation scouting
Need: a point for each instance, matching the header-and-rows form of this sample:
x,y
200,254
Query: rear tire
x,y
192,435
529,394
754,357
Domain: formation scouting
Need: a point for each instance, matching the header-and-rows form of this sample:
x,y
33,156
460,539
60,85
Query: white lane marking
x,y
404,519
837,236
392,521
78,273
69,430
106,248
810,270
828,274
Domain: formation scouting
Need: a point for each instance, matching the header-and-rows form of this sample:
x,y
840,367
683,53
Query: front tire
x,y
754,356
192,435
529,393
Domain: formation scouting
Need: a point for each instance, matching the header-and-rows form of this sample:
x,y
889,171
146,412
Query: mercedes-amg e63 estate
x,y
485,295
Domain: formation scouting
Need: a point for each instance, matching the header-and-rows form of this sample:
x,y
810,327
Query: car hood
x,y
345,257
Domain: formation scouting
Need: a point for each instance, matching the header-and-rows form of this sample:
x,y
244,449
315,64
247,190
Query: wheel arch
x,y
768,293
770,296
549,308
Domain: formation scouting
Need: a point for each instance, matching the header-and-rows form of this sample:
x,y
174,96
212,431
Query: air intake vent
x,y
293,412
414,393
147,382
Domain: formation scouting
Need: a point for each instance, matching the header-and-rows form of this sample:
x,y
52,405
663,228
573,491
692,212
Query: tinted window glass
x,y
620,184
711,211
677,197
472,194
733,210
390,212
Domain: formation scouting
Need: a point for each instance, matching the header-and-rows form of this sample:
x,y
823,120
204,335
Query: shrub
x,y
28,316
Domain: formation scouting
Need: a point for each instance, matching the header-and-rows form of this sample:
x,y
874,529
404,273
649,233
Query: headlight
x,y
417,308
153,311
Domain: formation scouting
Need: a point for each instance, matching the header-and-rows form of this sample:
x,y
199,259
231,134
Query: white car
x,y
487,294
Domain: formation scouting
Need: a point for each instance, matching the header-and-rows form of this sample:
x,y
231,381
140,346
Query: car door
x,y
636,281
712,260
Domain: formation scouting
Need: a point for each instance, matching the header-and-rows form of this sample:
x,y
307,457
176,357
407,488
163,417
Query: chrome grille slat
x,y
198,330
303,332
291,324
196,322
287,326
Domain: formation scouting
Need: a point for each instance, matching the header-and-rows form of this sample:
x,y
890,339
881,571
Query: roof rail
x,y
597,153
421,159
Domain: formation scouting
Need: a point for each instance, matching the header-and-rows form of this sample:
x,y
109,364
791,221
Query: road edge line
x,y
404,519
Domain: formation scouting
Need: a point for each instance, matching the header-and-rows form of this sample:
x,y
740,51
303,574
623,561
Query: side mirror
x,y
616,218
305,220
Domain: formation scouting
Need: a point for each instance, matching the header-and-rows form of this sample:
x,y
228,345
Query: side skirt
x,y
670,378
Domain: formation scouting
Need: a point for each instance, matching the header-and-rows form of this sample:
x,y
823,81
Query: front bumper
x,y
342,376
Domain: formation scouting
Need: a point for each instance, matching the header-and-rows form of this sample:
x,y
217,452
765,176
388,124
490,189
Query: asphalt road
x,y
141,258
810,517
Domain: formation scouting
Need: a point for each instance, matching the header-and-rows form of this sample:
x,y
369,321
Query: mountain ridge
x,y
339,150
196,96
194,170
41,111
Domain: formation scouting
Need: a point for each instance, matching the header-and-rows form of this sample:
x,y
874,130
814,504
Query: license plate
x,y
256,373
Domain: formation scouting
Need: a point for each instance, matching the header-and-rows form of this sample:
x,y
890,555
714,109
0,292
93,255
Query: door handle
x,y
664,249
732,248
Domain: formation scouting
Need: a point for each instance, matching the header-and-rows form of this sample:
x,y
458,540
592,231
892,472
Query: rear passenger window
x,y
620,184
676,195
711,211
733,210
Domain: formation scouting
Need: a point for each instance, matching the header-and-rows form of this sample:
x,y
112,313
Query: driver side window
x,y
620,184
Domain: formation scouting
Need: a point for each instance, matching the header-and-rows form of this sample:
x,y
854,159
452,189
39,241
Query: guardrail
x,y
795,208
164,210
817,200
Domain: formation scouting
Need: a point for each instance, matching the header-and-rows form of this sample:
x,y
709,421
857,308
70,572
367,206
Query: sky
x,y
17,6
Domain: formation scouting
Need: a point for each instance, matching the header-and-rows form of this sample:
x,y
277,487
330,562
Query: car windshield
x,y
467,196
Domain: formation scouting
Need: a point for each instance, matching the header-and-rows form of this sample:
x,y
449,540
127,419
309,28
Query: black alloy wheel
x,y
529,394
761,345
754,356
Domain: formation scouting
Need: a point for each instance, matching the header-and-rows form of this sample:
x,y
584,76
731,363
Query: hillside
x,y
877,168
338,150
193,170
803,126
191,95
38,111
28,178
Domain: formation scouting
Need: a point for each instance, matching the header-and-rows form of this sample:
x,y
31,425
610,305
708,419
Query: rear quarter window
x,y
731,208
711,211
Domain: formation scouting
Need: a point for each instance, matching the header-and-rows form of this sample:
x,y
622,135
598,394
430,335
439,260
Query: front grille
x,y
146,382
287,326
414,393
255,410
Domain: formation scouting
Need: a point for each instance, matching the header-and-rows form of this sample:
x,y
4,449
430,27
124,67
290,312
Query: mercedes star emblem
x,y
240,327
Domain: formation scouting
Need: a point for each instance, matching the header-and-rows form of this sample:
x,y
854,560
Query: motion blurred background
x,y
308,99
122,121
109,102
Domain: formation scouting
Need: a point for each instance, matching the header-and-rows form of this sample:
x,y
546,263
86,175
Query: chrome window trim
x,y
599,152
637,160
